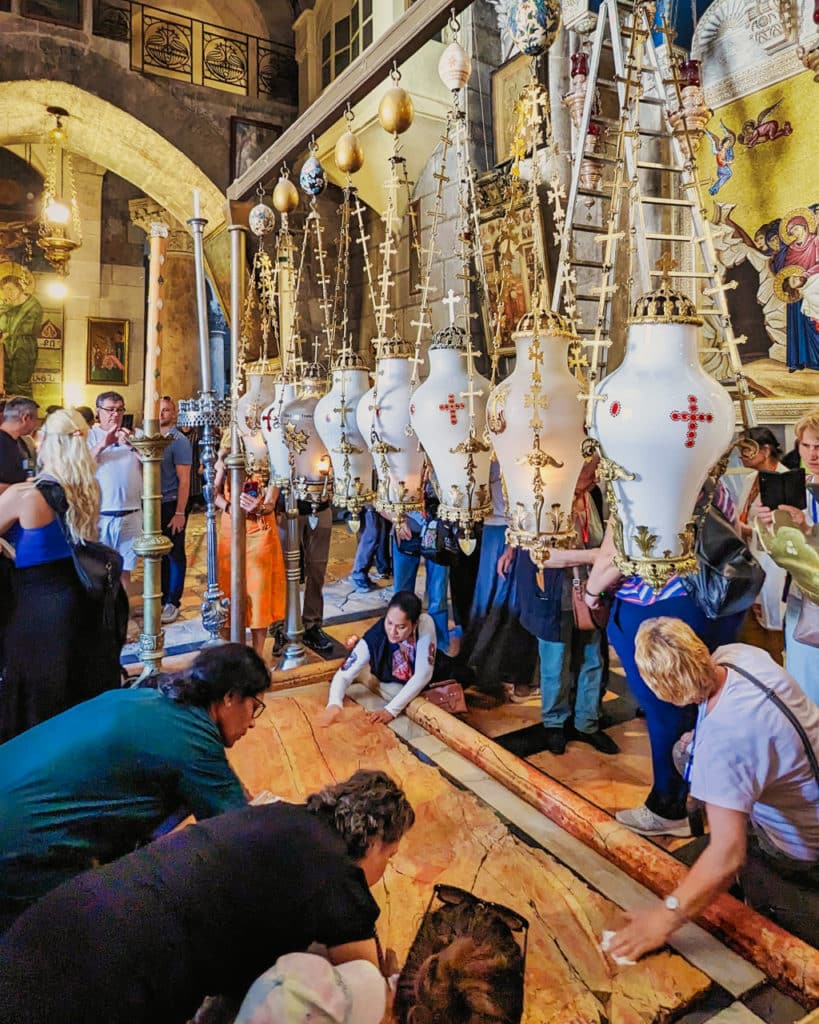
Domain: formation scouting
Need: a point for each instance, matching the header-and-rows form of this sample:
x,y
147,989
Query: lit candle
x,y
197,208
153,332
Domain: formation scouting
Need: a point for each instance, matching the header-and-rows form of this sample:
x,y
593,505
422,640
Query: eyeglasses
x,y
259,707
111,408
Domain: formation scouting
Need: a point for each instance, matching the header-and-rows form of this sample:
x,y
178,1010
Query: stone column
x,y
180,362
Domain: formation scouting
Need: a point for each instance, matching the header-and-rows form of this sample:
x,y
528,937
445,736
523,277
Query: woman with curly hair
x,y
464,967
207,909
81,658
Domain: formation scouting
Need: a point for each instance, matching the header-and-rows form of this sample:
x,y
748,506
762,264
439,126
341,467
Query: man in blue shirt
x,y
176,488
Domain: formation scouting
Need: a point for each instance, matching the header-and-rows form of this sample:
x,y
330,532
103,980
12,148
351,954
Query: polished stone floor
x,y
715,984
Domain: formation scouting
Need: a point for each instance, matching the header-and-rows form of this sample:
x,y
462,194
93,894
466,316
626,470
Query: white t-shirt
x,y
119,473
748,757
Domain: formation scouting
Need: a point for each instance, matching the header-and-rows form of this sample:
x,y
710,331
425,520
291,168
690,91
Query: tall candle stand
x,y
152,544
211,414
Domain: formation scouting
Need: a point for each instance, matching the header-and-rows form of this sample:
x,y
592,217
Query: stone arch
x,y
111,138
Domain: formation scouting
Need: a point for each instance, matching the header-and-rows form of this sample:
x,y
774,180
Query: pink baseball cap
x,y
301,988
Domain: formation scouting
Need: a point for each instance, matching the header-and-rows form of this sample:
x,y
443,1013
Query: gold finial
x,y
666,263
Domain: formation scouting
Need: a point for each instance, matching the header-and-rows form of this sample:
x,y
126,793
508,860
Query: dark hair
x,y
215,672
365,807
115,396
764,436
408,602
464,967
18,407
52,408
87,414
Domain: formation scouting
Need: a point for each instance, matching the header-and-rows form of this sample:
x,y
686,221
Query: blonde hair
x,y
64,454
674,663
810,421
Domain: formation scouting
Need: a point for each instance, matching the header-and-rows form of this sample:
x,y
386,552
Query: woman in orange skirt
x,y
265,564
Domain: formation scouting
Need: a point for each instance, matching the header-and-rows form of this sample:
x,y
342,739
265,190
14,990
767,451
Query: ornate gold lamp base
x,y
294,653
151,546
539,545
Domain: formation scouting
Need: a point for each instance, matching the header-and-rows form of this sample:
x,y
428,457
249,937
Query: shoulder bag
x,y
728,577
584,617
98,566
448,695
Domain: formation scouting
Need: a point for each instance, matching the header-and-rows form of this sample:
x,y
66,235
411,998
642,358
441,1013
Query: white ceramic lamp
x,y
662,422
536,426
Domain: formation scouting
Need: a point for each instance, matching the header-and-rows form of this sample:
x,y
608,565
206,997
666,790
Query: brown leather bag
x,y
585,617
448,695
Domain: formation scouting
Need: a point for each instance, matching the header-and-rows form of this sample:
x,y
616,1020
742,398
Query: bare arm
x,y
711,874
560,559
604,574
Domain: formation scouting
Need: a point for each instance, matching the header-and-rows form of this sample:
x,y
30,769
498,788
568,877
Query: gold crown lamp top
x,y
664,305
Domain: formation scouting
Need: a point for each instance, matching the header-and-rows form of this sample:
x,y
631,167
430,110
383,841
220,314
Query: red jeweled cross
x,y
452,407
693,417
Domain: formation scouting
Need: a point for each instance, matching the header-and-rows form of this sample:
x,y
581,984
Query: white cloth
x,y
119,473
359,659
748,757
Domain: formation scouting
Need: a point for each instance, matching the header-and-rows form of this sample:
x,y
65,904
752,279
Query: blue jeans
x,y
560,697
373,545
666,722
405,568
175,564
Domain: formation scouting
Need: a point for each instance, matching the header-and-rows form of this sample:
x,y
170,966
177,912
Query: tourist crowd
x,y
120,916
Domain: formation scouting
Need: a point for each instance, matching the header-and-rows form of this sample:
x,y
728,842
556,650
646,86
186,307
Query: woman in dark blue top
x,y
55,649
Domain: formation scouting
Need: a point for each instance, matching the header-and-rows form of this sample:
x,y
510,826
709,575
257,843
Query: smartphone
x,y
777,489
128,421
251,488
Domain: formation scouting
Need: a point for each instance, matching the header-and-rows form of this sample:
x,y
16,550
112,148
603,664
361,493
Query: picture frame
x,y
248,140
107,351
57,12
508,82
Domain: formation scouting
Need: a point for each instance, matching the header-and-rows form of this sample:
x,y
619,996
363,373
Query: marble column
x,y
180,360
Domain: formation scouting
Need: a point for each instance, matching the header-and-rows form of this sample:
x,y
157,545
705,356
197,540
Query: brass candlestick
x,y
151,545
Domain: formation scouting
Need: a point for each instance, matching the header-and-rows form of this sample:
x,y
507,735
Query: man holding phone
x,y
119,474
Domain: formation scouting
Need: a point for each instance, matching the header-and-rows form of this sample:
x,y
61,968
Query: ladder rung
x,y
594,193
647,165
593,228
660,237
593,264
582,297
660,201
701,276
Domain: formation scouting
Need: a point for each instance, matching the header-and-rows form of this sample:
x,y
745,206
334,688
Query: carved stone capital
x,y
147,212
770,24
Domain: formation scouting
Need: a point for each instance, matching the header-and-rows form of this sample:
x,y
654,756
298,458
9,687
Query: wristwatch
x,y
672,903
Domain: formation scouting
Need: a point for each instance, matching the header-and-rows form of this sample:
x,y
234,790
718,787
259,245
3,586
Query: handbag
x,y
728,577
98,566
806,630
584,617
448,695
439,542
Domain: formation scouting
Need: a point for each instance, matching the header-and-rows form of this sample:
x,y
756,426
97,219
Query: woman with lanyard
x,y
664,809
802,659
753,762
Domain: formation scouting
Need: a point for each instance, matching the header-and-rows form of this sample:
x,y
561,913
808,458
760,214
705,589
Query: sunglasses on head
x,y
454,896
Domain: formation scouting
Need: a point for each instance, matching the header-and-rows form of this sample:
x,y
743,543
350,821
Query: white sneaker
x,y
170,612
647,823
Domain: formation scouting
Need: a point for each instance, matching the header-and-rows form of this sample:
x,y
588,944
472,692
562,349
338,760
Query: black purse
x,y
439,542
728,577
98,567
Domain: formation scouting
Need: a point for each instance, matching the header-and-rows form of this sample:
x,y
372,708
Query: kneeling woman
x,y
399,649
